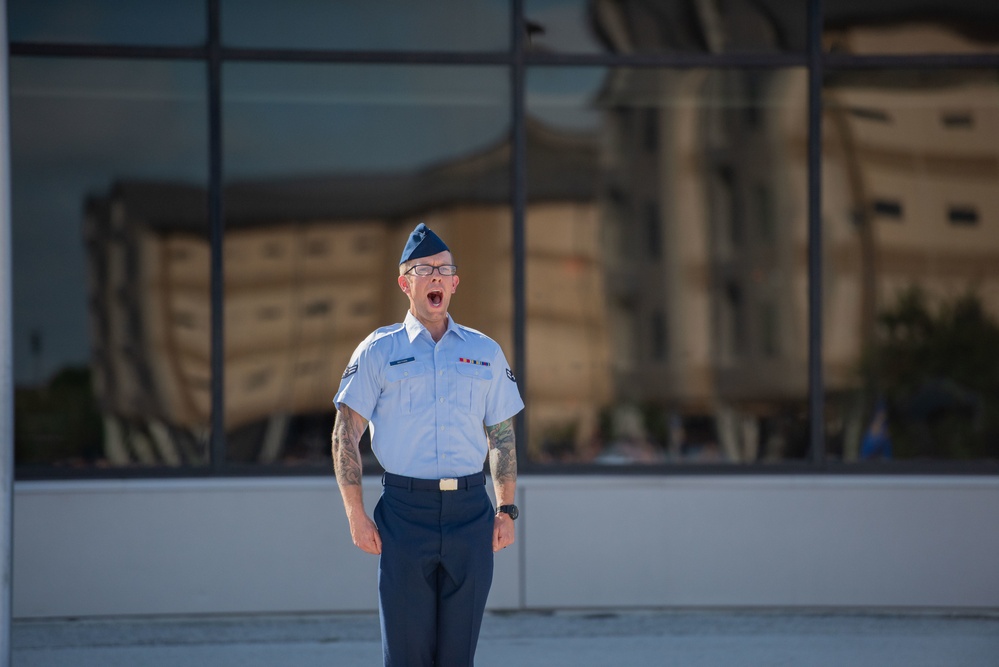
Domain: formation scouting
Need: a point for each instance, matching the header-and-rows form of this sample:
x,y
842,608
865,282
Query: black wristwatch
x,y
510,510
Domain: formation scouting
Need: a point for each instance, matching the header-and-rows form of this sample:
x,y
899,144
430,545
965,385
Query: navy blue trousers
x,y
434,574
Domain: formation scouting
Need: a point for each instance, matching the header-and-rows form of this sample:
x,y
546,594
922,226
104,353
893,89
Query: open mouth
x,y
435,297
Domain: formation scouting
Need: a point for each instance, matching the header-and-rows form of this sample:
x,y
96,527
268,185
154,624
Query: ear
x,y
404,284
454,284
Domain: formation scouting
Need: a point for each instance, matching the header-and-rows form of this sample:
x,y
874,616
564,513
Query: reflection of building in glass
x,y
149,321
309,271
705,255
704,214
704,233
911,177
665,256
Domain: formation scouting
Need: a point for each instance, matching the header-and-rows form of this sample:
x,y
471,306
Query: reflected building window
x,y
957,120
890,209
962,215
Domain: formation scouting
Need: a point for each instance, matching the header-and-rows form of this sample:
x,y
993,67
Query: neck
x,y
437,329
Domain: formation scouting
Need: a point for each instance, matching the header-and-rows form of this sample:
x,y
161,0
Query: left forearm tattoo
x,y
347,431
502,452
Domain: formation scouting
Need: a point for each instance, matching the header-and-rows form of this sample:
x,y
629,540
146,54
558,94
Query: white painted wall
x,y
282,545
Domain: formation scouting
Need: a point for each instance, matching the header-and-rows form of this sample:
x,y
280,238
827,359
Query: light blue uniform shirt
x,y
426,402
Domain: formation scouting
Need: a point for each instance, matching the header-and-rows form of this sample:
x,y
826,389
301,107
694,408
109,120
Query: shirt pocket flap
x,y
405,371
475,371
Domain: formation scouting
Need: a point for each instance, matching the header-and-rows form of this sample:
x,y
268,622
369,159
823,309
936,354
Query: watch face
x,y
511,510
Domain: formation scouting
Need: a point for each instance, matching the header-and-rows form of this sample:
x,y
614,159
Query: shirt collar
x,y
414,327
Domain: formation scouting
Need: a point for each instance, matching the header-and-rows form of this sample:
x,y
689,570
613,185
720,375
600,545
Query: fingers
x,y
371,545
367,539
502,538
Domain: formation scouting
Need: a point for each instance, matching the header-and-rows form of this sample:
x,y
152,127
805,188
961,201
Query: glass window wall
x,y
679,26
666,300
111,315
389,25
630,201
136,22
898,27
911,245
328,169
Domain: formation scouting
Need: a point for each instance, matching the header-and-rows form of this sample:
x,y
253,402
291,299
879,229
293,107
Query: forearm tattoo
x,y
502,451
346,455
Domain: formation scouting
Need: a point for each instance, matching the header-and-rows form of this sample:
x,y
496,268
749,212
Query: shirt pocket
x,y
409,386
473,385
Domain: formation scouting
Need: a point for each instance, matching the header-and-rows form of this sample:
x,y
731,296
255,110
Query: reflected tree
x,y
937,371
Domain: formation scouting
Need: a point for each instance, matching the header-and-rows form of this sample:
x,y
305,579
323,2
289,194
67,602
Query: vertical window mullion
x,y
216,224
816,386
518,181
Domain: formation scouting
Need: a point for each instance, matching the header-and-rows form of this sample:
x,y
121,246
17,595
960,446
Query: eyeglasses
x,y
428,269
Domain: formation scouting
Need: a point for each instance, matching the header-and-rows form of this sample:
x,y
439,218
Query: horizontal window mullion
x,y
922,61
106,51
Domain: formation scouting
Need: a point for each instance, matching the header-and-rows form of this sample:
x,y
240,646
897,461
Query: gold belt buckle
x,y
449,484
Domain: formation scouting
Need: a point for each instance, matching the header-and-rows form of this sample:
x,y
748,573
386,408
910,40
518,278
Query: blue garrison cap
x,y
422,243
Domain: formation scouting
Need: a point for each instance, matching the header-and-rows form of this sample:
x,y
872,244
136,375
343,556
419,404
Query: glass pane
x,y
929,26
111,314
399,25
146,22
329,168
636,26
911,214
666,236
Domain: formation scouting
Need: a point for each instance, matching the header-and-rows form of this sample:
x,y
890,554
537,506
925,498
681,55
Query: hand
x,y
503,532
365,534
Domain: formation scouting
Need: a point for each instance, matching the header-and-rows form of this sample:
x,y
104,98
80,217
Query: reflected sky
x,y
442,25
304,120
174,23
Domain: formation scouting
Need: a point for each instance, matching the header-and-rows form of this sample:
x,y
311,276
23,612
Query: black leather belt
x,y
446,484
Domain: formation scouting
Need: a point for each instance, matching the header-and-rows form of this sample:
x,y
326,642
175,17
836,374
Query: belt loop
x,y
383,478
410,480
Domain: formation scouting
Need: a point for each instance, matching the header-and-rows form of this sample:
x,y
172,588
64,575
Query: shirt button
x,y
442,372
442,399
442,428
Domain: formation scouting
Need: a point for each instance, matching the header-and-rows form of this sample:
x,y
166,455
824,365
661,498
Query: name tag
x,y
401,361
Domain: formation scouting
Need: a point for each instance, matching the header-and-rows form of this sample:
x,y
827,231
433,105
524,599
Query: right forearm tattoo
x,y
502,451
346,455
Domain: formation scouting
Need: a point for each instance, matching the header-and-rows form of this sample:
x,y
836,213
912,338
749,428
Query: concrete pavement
x,y
691,638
